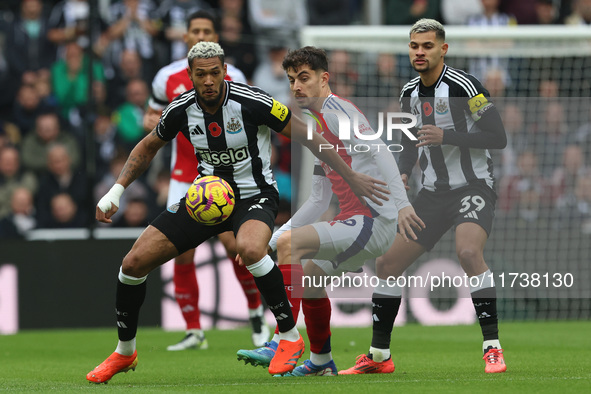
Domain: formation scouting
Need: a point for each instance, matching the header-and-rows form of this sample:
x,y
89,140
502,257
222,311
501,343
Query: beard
x,y
212,101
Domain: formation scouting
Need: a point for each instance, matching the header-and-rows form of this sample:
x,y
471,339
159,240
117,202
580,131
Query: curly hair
x,y
313,57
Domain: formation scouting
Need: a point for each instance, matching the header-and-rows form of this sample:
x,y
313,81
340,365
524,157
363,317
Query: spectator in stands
x,y
523,10
69,22
132,27
581,13
517,140
21,217
495,82
12,177
490,16
343,75
408,12
236,8
528,178
549,135
529,215
27,43
27,106
65,213
172,14
548,88
10,135
270,76
36,145
128,69
59,178
70,80
240,50
134,215
129,116
565,177
106,143
582,136
273,20
573,210
546,12
332,12
456,12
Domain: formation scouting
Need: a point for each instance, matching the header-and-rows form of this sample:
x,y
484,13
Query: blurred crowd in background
x,y
52,113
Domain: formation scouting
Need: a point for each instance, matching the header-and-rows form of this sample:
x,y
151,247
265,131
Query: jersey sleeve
x,y
266,110
478,105
478,102
159,99
171,121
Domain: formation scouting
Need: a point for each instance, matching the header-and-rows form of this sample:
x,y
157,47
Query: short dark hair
x,y
202,14
314,57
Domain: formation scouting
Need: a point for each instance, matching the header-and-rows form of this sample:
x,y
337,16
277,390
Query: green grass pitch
x,y
542,357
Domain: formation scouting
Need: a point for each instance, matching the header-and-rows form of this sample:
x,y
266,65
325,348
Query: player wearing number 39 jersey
x,y
456,124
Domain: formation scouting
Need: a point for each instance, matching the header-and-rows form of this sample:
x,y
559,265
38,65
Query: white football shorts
x,y
345,245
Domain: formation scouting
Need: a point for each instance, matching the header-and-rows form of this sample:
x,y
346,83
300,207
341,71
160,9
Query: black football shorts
x,y
186,233
441,210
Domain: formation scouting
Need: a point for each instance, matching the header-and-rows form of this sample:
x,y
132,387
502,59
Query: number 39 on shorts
x,y
469,201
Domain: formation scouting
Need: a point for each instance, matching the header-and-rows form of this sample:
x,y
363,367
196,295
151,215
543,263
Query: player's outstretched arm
x,y
138,161
362,185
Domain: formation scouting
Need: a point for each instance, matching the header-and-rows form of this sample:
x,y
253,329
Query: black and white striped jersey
x,y
235,142
455,103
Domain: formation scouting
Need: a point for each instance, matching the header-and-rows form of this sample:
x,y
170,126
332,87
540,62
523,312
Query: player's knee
x,y
250,253
132,265
469,256
284,242
381,266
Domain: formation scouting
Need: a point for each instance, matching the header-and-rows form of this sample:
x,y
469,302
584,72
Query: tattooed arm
x,y
138,161
140,157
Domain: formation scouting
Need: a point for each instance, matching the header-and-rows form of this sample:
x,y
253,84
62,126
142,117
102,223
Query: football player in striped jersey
x,y
456,125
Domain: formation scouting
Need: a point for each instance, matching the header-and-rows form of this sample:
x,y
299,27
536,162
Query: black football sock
x,y
384,311
485,304
272,289
128,302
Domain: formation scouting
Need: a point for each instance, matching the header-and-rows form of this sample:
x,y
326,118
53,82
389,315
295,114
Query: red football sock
x,y
186,293
317,317
248,284
292,278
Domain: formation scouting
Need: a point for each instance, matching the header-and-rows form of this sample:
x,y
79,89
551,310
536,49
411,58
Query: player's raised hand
x,y
408,221
430,135
364,185
109,204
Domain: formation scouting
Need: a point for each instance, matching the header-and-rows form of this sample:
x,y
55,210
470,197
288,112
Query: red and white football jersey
x,y
168,83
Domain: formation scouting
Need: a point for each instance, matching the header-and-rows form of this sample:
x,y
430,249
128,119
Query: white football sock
x,y
320,359
379,355
491,342
291,335
126,348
